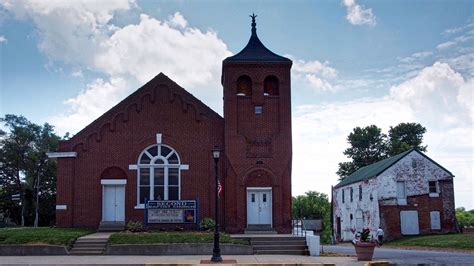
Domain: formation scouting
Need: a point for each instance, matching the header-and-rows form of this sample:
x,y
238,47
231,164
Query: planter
x,y
364,250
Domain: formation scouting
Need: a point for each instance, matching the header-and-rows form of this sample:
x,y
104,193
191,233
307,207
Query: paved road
x,y
402,256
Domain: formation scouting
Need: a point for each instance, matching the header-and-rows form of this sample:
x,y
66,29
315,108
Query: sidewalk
x,y
143,260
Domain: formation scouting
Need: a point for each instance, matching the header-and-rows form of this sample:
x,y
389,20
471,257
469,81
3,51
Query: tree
x,y
367,146
405,136
464,218
23,163
314,205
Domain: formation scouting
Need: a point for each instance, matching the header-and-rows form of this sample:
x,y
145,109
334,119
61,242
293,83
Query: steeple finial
x,y
254,29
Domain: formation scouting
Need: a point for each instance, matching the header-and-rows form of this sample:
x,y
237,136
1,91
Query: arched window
x,y
244,86
159,175
270,87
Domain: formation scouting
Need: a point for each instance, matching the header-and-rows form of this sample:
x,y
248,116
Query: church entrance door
x,y
259,206
113,204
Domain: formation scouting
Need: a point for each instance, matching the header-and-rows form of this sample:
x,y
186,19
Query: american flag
x,y
219,188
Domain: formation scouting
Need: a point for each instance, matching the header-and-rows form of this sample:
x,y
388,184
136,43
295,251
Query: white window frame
x,y
152,166
433,225
437,189
402,201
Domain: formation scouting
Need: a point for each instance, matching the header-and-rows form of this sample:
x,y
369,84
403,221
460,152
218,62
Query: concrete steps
x,y
111,227
89,245
260,229
269,244
279,245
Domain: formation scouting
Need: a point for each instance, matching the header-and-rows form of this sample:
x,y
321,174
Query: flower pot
x,y
364,250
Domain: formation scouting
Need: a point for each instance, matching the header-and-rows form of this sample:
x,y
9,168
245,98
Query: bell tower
x,y
258,149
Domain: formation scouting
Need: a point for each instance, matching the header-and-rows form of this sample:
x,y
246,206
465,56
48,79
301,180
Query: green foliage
x,y
170,237
405,136
369,145
23,161
135,226
460,241
207,224
52,236
464,218
314,205
365,235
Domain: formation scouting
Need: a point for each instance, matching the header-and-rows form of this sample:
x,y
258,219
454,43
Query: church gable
x,y
159,91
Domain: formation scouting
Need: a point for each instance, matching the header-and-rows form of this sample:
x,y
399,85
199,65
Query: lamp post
x,y
216,253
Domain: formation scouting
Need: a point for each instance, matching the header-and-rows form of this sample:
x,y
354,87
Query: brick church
x,y
156,146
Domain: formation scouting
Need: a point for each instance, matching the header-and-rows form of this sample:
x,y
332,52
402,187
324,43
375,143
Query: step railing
x,y
298,227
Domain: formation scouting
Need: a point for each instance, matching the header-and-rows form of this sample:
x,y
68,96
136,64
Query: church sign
x,y
171,211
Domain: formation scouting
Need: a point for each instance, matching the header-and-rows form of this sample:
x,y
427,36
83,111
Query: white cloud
x,y
98,97
3,39
320,131
314,74
77,73
458,29
189,56
445,45
436,90
69,31
358,15
437,97
177,20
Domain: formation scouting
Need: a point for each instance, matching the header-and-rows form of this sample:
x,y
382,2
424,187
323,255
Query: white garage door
x,y
409,223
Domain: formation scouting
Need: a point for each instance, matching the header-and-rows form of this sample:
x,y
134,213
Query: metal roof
x,y
377,168
255,51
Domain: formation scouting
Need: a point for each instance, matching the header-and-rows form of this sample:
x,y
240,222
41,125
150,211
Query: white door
x,y
259,206
409,223
113,209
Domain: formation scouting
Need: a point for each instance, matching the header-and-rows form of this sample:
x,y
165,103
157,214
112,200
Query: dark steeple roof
x,y
255,51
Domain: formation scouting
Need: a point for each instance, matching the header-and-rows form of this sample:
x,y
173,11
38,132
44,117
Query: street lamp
x,y
216,253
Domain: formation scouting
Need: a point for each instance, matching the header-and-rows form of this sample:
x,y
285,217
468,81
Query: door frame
x,y
113,182
254,189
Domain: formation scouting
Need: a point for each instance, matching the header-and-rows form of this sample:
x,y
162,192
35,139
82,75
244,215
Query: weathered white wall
x,y
369,208
415,170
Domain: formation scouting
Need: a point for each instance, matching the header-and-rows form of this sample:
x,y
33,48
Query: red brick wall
x,y
118,137
424,204
258,147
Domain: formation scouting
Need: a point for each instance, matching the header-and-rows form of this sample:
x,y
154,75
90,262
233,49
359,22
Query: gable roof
x,y
379,167
135,98
255,51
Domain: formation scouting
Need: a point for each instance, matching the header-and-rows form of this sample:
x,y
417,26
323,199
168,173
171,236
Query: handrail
x,y
299,226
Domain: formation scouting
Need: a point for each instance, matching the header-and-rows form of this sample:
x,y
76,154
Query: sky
x,y
355,63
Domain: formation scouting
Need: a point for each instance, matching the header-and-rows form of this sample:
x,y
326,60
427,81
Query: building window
x,y
270,87
343,196
159,175
435,220
433,188
352,194
244,86
360,192
401,193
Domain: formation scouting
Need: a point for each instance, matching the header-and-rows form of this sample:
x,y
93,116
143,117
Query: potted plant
x,y
364,245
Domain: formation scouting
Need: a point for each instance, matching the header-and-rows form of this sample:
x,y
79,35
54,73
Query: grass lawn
x,y
41,235
170,237
457,241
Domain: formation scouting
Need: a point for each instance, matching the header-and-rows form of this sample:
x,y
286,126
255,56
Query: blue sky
x,y
356,63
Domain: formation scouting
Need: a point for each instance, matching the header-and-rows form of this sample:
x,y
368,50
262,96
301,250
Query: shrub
x,y
135,227
207,224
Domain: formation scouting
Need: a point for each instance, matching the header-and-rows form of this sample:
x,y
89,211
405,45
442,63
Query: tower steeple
x,y
254,28
255,51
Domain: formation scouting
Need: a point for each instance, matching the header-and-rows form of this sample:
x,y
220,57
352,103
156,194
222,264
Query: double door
x,y
113,209
259,207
